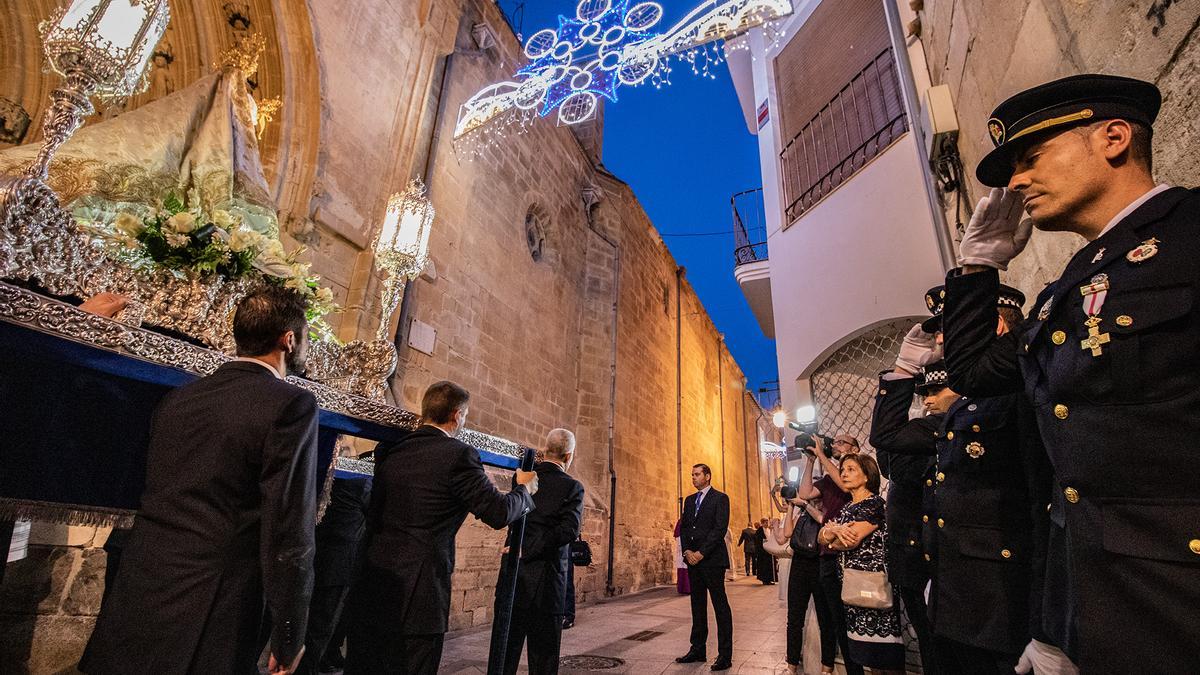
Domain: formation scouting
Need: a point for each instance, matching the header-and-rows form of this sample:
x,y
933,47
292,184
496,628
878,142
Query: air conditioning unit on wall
x,y
939,122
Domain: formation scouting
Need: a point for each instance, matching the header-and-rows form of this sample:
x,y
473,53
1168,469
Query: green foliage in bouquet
x,y
185,240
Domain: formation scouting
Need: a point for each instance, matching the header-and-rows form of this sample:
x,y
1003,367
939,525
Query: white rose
x,y
324,295
182,222
225,220
129,225
242,240
177,240
296,284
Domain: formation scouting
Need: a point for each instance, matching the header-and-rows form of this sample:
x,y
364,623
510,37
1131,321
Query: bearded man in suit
x,y
227,516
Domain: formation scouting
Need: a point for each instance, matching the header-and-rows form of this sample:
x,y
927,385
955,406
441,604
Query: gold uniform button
x,y
1061,411
927,557
1072,495
975,428
924,519
941,523
1058,337
949,435
941,476
1026,347
1125,320
1005,553
883,392
912,542
928,483
1194,545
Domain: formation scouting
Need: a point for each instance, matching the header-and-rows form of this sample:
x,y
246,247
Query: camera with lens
x,y
789,490
806,438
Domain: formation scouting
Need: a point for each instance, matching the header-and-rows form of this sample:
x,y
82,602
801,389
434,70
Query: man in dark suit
x,y
749,547
545,558
702,535
1108,360
227,515
424,487
336,562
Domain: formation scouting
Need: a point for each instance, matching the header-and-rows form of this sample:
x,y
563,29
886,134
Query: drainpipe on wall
x,y
679,272
609,588
912,107
746,446
721,409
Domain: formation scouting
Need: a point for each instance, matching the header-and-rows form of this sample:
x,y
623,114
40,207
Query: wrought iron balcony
x,y
749,227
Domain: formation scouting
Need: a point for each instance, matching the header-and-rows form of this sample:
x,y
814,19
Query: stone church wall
x,y
986,51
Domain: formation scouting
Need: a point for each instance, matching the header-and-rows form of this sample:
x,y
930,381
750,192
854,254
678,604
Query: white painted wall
x,y
864,255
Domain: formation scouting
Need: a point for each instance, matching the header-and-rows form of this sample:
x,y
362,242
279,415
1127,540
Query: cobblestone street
x,y
646,631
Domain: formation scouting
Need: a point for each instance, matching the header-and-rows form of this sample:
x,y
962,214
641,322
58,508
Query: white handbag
x,y
783,550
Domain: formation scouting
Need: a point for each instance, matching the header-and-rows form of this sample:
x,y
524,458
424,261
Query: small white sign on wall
x,y
422,337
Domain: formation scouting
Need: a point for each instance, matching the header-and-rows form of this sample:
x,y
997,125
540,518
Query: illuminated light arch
x,y
613,44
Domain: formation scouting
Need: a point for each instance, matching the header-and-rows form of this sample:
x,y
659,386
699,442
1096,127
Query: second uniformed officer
x,y
1109,361
979,528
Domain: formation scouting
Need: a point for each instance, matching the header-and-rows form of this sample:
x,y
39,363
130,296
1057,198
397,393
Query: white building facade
x,y
836,251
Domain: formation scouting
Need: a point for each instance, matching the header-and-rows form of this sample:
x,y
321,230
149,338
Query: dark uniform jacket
x,y
905,449
226,520
423,489
704,532
1120,429
549,530
977,522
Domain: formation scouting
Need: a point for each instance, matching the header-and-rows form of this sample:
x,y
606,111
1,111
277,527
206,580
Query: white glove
x,y
1043,659
996,233
918,349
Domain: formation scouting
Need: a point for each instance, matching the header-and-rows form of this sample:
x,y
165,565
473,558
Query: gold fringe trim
x,y
65,514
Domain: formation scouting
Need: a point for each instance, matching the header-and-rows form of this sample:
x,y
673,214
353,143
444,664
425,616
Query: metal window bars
x,y
749,227
855,126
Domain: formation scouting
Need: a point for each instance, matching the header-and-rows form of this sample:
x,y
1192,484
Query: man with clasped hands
x,y
702,535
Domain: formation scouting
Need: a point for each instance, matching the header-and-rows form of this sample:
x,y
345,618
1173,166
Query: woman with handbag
x,y
859,532
799,533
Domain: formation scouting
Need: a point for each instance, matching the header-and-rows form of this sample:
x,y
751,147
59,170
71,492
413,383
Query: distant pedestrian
x,y
749,547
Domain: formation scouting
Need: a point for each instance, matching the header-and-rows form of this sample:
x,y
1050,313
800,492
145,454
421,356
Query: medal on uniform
x,y
1145,251
1094,293
975,449
1044,312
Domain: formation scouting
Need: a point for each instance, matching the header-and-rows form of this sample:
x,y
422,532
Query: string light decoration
x,y
606,45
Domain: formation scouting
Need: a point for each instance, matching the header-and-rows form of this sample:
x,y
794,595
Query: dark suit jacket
x,y
424,487
1122,526
705,531
226,520
549,530
340,532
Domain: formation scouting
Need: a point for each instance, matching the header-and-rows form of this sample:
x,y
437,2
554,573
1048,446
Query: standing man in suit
x,y
227,516
702,533
336,562
545,558
1110,349
424,487
749,547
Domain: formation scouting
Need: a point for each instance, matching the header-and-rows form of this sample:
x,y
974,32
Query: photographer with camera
x,y
831,615
799,533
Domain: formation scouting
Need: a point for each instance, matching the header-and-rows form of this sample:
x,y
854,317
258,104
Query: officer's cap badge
x,y
996,131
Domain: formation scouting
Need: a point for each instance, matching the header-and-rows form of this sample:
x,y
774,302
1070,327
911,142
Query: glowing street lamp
x,y
402,247
99,47
779,419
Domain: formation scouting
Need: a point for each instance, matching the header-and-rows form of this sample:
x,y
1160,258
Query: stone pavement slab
x,y
604,629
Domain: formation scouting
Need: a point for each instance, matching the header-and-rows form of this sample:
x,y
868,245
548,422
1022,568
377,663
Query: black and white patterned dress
x,y
875,638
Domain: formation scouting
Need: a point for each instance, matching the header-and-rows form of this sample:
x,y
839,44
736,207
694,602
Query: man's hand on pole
x,y
529,479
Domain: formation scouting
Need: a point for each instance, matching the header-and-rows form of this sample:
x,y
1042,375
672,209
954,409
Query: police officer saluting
x,y
979,527
1110,361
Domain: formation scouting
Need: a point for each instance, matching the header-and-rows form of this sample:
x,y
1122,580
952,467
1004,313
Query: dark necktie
x,y
699,498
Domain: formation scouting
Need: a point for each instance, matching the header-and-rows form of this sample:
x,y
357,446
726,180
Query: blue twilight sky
x,y
685,150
